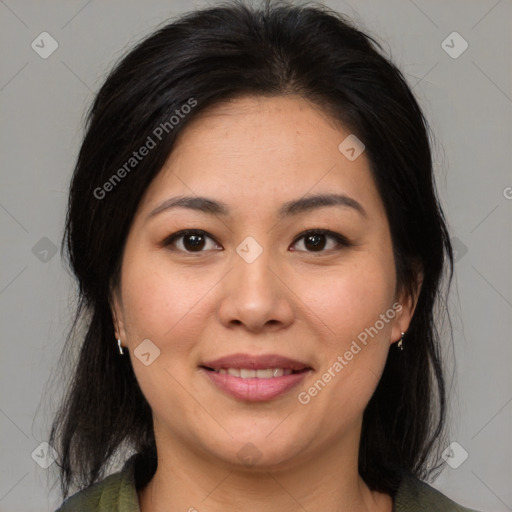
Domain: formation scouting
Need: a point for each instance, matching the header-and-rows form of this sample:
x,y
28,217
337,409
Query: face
x,y
262,330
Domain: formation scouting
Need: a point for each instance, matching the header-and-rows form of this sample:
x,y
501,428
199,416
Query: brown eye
x,y
188,241
193,242
317,240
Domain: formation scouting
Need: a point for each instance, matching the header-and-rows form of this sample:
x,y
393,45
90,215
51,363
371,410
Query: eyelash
x,y
342,241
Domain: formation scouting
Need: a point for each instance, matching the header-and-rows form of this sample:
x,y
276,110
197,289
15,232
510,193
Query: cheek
x,y
356,307
167,307
355,347
352,299
161,303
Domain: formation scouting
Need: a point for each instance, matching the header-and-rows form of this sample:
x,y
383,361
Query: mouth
x,y
250,373
255,378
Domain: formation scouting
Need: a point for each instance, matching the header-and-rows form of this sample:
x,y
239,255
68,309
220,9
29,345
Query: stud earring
x,y
400,344
119,346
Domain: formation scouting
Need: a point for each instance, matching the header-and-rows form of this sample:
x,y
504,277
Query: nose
x,y
255,295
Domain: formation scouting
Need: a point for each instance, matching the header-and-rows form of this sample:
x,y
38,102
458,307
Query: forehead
x,y
259,150
262,128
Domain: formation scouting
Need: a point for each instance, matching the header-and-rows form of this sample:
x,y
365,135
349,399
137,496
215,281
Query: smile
x,y
249,373
255,378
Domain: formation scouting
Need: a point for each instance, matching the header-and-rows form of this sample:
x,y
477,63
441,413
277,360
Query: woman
x,y
259,247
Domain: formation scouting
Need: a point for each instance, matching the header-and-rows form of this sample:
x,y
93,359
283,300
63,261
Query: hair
x,y
202,59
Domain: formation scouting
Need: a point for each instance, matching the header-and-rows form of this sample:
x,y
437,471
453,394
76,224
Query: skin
x,y
254,154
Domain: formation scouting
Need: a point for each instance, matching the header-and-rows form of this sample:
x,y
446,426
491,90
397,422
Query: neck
x,y
187,480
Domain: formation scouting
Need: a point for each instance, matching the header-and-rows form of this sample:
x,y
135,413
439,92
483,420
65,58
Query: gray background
x,y
468,101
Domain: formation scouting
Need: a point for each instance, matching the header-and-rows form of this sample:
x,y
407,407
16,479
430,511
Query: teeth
x,y
267,374
246,373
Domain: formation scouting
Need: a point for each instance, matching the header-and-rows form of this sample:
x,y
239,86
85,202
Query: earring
x,y
400,345
119,346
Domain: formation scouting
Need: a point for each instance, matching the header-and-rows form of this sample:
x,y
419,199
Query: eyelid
x,y
340,239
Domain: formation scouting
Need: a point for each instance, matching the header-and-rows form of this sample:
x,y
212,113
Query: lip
x,y
254,389
256,362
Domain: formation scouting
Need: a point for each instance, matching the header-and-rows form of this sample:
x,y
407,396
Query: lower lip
x,y
255,390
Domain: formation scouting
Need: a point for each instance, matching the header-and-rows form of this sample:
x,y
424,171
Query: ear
x,y
116,310
407,299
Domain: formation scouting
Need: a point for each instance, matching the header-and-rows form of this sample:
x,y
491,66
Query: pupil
x,y
194,241
315,241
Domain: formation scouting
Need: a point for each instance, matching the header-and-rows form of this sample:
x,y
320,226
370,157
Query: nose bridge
x,y
254,295
252,272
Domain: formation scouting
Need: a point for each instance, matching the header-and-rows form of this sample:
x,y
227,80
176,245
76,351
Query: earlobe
x,y
408,301
402,321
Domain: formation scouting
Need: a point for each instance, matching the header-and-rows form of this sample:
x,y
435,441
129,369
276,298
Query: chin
x,y
261,451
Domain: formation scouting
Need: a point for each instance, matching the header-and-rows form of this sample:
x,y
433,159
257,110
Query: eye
x,y
315,240
196,241
189,241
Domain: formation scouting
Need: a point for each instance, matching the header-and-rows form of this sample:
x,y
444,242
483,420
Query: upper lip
x,y
255,362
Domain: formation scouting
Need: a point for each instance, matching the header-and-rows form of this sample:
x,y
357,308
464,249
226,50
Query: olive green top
x,y
118,493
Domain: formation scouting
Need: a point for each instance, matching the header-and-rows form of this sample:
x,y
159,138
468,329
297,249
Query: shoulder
x,y
413,495
116,492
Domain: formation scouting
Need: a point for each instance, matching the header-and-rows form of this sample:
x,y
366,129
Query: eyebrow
x,y
295,207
